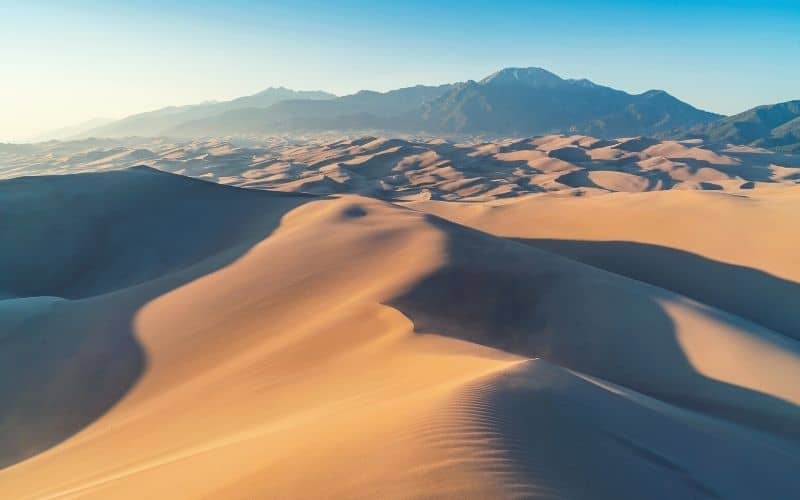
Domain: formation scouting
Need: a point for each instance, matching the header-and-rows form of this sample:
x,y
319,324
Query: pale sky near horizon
x,y
65,62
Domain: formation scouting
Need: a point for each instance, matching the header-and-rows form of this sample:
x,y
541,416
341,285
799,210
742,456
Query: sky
x,y
64,62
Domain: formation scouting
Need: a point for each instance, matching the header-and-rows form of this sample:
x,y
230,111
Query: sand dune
x,y
735,251
421,168
173,338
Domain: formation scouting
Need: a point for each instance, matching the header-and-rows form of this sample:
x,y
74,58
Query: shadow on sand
x,y
746,292
101,246
506,295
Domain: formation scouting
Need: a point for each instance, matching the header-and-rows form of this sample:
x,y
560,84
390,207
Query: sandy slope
x,y
736,251
290,347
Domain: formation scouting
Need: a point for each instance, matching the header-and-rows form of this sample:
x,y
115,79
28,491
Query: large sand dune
x,y
164,337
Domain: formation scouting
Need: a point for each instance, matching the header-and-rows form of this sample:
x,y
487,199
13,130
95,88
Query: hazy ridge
x,y
513,101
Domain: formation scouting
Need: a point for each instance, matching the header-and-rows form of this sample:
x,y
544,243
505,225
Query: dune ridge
x,y
734,251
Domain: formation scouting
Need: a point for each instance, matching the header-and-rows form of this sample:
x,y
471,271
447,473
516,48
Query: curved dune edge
x,y
80,256
733,251
325,360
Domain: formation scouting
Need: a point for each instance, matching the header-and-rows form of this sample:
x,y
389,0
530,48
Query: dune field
x,y
422,168
360,317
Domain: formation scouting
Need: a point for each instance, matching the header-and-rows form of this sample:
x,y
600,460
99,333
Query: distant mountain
x,y
528,101
363,110
774,126
154,123
70,131
513,101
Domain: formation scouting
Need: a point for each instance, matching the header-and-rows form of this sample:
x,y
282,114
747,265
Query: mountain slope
x,y
158,122
527,101
71,130
513,101
363,110
774,126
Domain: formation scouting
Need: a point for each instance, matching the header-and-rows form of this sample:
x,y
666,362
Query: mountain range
x,y
363,110
510,102
70,131
775,126
526,101
161,121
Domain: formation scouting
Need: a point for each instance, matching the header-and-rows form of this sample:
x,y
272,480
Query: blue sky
x,y
68,61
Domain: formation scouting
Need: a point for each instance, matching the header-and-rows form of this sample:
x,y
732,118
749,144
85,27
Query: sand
x,y
412,168
175,338
736,251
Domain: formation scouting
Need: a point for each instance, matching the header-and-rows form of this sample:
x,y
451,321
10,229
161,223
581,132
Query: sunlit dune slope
x,y
280,346
736,251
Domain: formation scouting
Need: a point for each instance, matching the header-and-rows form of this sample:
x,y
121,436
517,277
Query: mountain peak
x,y
533,77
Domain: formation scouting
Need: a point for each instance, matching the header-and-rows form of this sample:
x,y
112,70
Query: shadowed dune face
x,y
97,233
749,293
379,350
81,255
63,366
498,293
734,252
642,454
